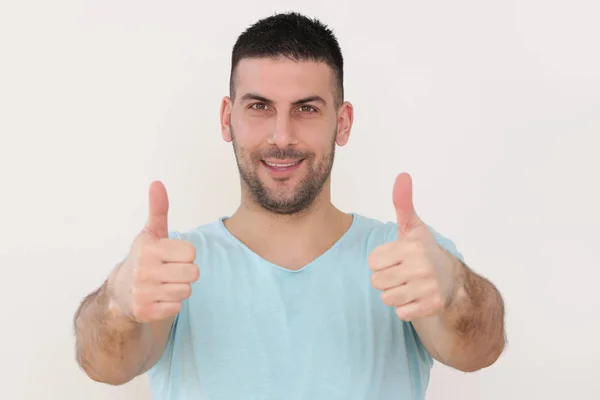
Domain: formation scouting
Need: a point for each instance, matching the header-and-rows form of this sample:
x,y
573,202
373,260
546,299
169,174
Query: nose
x,y
283,131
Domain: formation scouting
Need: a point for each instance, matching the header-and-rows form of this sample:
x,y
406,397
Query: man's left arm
x,y
468,333
457,314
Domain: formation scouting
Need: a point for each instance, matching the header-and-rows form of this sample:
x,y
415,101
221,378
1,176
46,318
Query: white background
x,y
493,107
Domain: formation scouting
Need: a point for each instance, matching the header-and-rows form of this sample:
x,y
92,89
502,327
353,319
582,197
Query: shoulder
x,y
212,235
212,241
376,232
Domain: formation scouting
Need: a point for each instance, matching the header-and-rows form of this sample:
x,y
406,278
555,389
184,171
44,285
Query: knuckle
x,y
195,272
378,256
375,280
375,264
373,258
171,308
176,307
387,298
370,260
402,314
181,291
188,251
187,290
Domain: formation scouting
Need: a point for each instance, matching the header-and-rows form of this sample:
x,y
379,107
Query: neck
x,y
289,240
264,222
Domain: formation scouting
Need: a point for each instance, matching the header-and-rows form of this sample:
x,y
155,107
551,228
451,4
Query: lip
x,y
281,168
282,162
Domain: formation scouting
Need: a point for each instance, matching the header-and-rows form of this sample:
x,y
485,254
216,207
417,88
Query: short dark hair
x,y
294,36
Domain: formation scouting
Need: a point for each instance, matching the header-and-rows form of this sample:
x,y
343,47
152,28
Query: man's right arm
x,y
110,347
122,328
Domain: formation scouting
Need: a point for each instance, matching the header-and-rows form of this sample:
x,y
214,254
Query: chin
x,y
284,202
281,188
280,197
284,208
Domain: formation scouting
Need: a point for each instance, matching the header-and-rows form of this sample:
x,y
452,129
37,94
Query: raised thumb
x,y
406,216
157,224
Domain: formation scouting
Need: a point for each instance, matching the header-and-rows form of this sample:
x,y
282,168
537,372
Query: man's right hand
x,y
156,277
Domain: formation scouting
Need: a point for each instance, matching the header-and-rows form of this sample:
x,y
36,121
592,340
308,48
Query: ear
x,y
226,107
345,120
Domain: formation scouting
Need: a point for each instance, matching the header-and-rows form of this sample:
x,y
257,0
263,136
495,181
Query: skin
x,y
270,119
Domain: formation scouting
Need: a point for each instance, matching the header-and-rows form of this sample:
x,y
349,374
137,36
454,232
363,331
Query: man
x,y
289,297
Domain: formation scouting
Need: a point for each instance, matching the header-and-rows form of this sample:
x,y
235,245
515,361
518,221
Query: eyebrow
x,y
309,99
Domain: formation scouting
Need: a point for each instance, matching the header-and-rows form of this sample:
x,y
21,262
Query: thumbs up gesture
x,y
156,277
415,275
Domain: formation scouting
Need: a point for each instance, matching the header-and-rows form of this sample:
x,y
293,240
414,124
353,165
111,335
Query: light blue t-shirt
x,y
253,330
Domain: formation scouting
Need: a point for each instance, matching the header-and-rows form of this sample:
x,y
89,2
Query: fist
x,y
415,275
156,276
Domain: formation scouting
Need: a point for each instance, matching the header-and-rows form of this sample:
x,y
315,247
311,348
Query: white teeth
x,y
281,165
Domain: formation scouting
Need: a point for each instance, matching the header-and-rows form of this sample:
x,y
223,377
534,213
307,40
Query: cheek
x,y
255,122
250,133
325,143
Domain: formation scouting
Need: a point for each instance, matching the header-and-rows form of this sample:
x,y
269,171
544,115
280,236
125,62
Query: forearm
x,y
469,333
110,347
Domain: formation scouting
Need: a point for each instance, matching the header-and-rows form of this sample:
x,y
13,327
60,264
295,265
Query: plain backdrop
x,y
493,107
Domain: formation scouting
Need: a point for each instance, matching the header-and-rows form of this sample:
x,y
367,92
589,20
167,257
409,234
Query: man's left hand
x,y
414,273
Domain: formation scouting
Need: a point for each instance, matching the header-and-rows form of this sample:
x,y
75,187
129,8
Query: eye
x,y
258,106
308,109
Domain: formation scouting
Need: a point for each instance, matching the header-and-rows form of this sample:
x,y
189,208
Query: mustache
x,y
283,154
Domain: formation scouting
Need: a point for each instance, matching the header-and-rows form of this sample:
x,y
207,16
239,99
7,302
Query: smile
x,y
282,165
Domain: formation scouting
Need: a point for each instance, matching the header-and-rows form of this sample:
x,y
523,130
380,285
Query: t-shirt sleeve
x,y
445,242
174,235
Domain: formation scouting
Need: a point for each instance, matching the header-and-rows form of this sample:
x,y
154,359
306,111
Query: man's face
x,y
284,125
